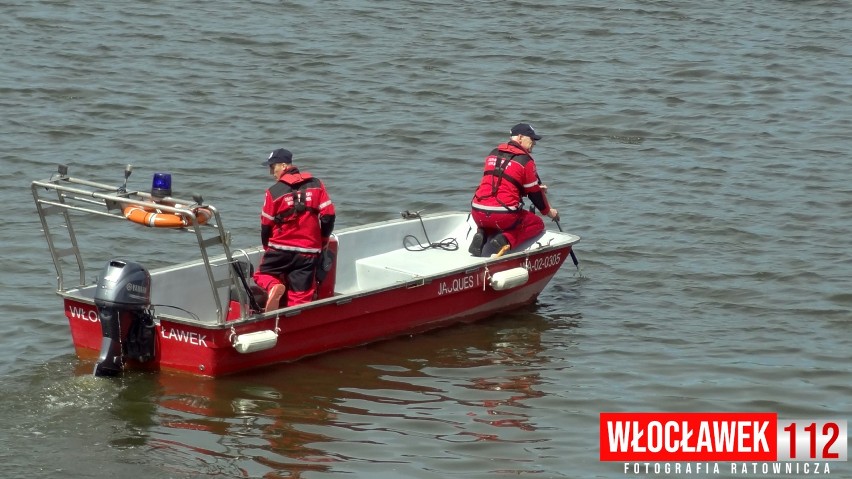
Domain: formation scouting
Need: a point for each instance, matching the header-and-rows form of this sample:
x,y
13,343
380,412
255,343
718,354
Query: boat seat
x,y
402,265
372,272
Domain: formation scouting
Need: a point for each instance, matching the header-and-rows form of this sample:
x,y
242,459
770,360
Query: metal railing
x,y
62,194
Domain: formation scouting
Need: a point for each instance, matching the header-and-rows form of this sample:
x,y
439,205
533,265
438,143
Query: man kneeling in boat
x,y
295,225
497,207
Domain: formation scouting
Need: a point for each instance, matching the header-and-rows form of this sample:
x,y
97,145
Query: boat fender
x,y
510,278
256,341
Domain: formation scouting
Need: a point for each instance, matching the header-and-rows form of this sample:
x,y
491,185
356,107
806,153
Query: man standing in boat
x,y
295,225
497,207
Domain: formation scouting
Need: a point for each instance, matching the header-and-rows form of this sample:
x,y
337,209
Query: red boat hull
x,y
462,296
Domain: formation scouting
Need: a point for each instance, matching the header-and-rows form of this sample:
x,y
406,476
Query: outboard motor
x,y
123,298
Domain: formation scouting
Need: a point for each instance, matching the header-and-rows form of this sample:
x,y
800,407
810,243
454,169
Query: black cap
x,y
525,129
280,155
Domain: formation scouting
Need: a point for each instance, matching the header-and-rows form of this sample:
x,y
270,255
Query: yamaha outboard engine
x,y
123,298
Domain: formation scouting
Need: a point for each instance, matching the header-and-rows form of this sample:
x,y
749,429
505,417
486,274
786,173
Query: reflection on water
x,y
467,384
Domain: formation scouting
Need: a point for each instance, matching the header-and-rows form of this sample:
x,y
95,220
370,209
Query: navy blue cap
x,y
280,155
525,129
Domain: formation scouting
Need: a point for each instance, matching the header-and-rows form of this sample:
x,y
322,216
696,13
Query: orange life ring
x,y
157,219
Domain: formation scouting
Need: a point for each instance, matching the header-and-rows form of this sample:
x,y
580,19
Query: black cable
x,y
195,316
448,244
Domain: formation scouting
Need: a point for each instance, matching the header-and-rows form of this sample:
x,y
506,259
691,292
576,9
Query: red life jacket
x,y
293,207
508,176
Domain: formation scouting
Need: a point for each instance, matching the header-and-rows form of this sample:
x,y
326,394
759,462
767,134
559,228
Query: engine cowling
x,y
123,298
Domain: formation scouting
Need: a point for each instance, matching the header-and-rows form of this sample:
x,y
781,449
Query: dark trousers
x,y
296,270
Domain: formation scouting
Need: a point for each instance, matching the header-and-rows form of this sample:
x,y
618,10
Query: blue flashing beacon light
x,y
162,185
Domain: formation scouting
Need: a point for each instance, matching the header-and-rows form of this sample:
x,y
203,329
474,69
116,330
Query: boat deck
x,y
404,265
400,266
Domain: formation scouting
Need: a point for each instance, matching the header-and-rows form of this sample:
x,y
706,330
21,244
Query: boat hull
x,y
205,316
333,323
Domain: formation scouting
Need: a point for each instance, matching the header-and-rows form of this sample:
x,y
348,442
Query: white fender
x,y
256,341
511,278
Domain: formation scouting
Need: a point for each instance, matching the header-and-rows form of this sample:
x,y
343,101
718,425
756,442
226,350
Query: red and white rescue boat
x,y
201,316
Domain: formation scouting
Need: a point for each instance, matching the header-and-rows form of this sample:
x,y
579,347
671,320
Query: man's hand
x,y
553,214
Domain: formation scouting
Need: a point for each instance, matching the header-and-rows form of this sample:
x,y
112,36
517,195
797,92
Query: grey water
x,y
701,149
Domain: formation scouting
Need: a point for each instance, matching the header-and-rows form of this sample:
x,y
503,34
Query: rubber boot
x,y
477,242
499,244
